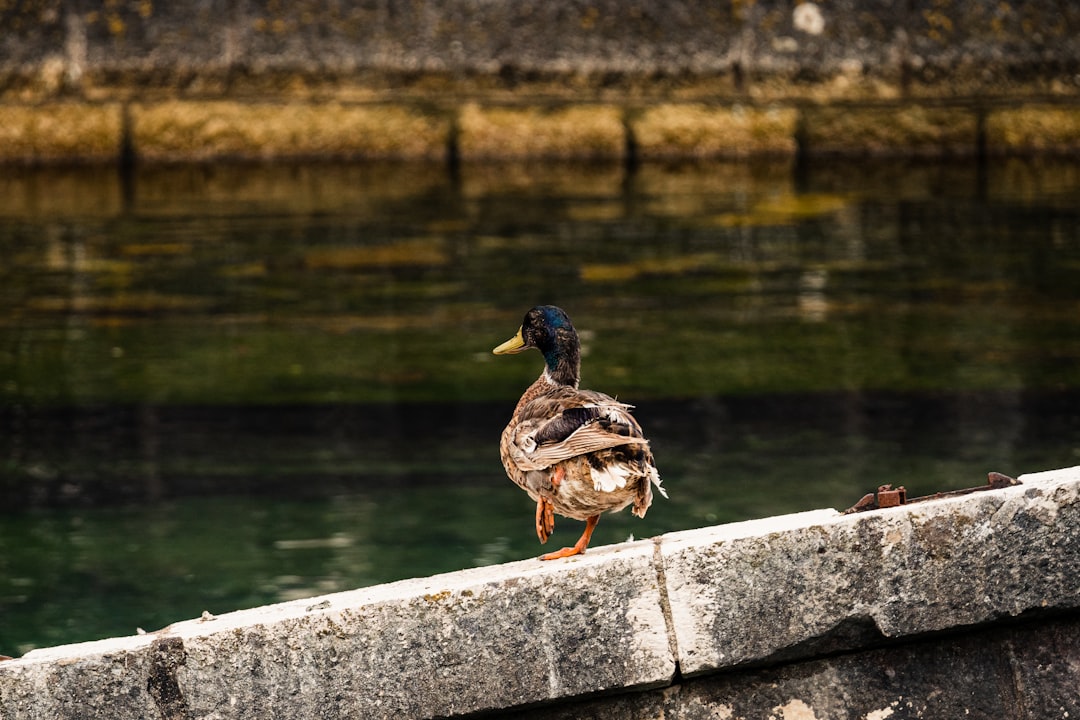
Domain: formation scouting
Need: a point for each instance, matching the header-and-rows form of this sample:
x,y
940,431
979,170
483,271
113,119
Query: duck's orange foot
x,y
579,546
565,552
545,519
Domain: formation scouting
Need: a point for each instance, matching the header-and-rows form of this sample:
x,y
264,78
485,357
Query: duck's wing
x,y
566,424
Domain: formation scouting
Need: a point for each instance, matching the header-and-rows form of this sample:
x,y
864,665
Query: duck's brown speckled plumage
x,y
576,452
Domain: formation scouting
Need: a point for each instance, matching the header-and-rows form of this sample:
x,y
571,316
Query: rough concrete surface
x,y
817,584
801,616
1023,671
217,45
451,644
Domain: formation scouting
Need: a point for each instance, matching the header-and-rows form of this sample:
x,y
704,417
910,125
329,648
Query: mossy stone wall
x,y
597,78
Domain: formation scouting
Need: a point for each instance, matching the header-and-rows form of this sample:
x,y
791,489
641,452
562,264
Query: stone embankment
x,y
964,606
463,80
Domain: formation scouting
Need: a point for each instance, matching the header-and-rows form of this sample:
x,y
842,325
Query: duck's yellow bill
x,y
513,345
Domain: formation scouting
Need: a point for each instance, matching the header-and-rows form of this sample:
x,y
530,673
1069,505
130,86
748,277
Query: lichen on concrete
x,y
698,130
569,131
1033,128
61,130
910,129
186,129
837,583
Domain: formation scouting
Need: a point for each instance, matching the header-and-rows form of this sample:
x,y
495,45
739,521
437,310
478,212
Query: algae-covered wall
x,y
484,78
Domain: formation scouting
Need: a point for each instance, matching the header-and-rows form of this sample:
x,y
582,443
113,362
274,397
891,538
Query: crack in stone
x,y
665,606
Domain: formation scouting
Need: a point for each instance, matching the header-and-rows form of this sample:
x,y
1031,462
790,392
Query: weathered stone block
x,y
60,131
1025,671
580,131
479,639
1033,129
192,130
822,582
696,130
908,130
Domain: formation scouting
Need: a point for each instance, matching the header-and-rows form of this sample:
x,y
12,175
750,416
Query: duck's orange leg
x,y
545,511
580,545
545,519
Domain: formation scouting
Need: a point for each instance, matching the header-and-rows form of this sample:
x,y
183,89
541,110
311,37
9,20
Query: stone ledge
x,y
761,592
474,640
816,584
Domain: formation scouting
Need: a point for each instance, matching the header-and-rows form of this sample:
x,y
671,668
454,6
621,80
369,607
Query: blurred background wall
x,y
464,79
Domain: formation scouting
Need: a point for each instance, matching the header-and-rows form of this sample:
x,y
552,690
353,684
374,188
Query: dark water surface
x,y
227,386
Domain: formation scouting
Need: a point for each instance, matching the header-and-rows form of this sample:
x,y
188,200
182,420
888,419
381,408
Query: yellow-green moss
x,y
60,131
695,130
193,130
914,129
590,131
1038,129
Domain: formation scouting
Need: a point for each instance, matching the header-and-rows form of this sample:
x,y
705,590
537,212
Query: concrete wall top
x,y
621,617
51,47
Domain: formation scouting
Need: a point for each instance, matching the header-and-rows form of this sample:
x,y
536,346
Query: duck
x,y
576,452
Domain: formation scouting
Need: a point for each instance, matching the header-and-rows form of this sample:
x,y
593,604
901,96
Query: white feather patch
x,y
610,478
654,477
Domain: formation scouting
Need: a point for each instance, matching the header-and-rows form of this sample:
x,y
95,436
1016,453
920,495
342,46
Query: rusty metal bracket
x,y
886,496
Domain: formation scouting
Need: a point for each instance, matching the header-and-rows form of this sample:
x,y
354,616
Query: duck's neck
x,y
563,372
563,364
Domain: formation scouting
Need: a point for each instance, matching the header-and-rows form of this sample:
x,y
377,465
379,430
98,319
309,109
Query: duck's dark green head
x,y
549,330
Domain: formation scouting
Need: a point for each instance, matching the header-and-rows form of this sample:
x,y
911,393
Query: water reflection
x,y
224,386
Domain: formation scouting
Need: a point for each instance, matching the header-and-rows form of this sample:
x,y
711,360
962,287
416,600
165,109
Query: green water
x,y
227,386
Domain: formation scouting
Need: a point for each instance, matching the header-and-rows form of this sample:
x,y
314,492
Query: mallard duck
x,y
576,452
